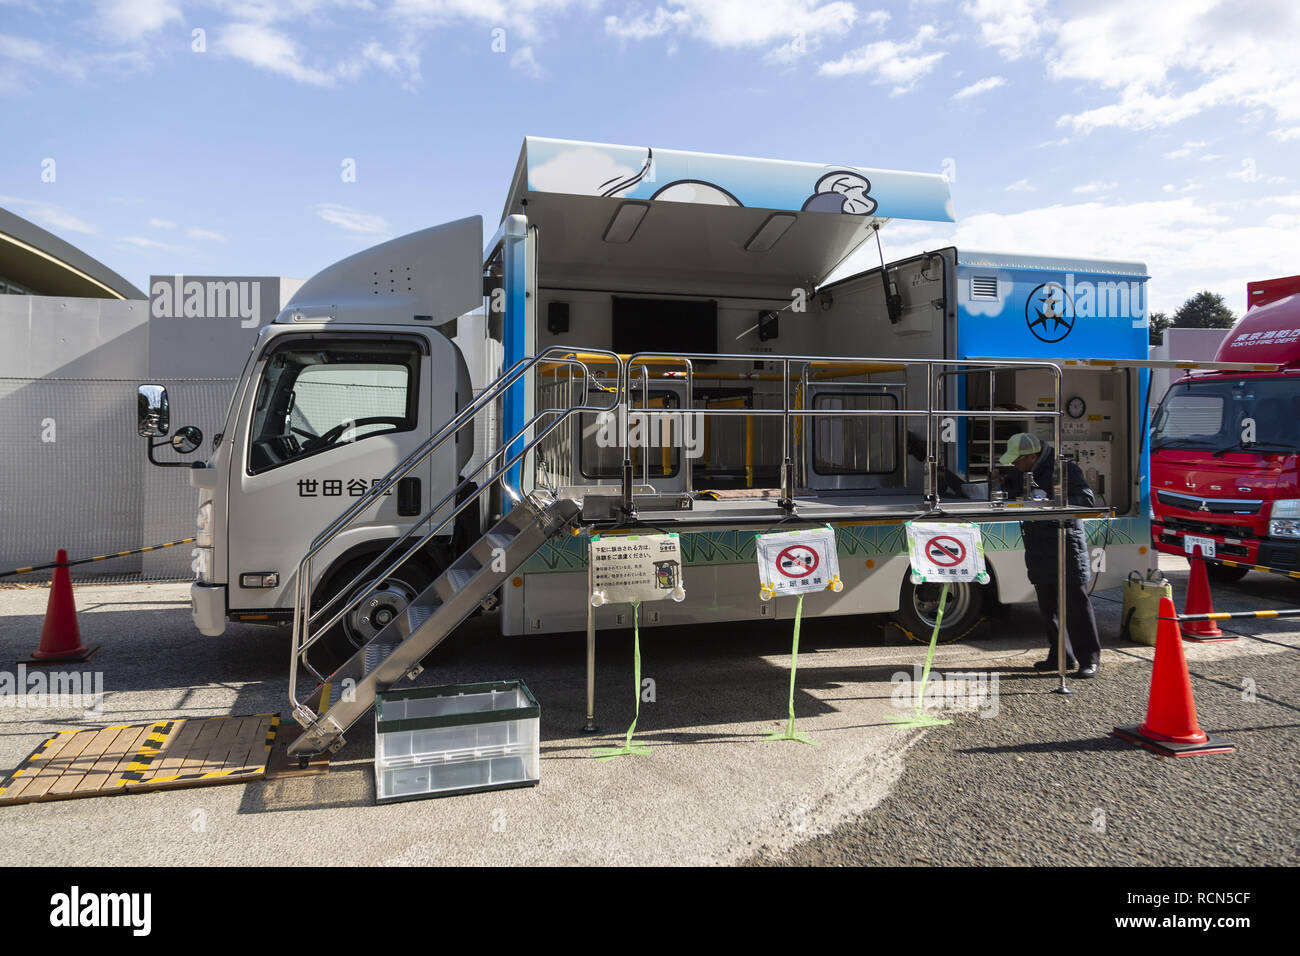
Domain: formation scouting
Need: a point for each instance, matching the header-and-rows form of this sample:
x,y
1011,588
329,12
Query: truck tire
x,y
386,598
918,604
1222,574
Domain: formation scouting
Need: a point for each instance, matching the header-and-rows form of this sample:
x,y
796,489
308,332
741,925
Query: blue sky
x,y
1160,131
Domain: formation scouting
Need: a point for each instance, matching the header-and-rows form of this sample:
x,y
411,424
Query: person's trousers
x,y
1081,641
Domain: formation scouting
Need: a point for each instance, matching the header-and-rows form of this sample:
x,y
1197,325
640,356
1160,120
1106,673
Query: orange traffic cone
x,y
60,637
1198,602
1171,729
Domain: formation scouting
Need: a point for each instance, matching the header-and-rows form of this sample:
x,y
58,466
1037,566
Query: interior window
x,y
312,398
601,452
857,444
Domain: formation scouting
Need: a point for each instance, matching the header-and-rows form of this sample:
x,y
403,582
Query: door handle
x,y
408,497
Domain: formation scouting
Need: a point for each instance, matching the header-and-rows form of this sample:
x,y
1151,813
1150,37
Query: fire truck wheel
x,y
918,605
1222,574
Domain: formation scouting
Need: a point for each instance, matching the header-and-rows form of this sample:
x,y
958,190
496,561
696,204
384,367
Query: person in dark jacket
x,y
1035,466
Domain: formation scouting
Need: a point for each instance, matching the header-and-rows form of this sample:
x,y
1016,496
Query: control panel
x,y
1094,458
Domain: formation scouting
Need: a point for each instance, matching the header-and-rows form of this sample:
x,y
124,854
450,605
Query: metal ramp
x,y
397,650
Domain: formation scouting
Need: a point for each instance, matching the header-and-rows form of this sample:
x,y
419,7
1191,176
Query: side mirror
x,y
153,420
186,439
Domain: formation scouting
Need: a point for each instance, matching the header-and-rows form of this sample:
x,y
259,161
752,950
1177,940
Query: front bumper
x,y
208,608
1277,553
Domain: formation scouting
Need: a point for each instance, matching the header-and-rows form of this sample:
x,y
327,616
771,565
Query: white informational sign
x,y
796,562
1191,544
636,567
946,551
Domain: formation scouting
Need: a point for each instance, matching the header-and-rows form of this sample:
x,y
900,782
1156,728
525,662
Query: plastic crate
x,y
461,738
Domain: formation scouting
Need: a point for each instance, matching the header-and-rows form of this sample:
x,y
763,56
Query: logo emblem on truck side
x,y
1049,312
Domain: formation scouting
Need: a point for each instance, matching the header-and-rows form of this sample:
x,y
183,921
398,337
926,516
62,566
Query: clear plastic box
x,y
461,738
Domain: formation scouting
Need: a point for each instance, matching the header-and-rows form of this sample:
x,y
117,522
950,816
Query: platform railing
x,y
935,371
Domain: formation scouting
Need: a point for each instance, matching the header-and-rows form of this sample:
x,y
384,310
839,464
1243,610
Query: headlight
x,y
1286,508
204,522
1284,520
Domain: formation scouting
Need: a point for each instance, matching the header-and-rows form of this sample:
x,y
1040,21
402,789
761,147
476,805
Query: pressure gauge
x,y
1075,407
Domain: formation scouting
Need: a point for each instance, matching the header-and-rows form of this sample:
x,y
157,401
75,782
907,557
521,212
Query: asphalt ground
x,y
1026,777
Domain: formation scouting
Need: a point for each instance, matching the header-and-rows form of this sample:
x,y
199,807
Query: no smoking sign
x,y
796,562
942,551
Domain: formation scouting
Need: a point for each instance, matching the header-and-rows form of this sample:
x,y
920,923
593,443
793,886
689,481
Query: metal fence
x,y
74,475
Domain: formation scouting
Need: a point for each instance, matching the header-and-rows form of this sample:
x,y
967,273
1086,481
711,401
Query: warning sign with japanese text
x,y
796,562
636,567
946,551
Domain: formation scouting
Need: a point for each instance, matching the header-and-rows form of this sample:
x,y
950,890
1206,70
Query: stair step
x,y
418,611
459,577
498,539
377,653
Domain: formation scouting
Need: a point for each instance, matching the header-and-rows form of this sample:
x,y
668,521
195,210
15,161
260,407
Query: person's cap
x,y
1021,443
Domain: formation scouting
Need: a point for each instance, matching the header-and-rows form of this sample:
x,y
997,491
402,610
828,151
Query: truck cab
x,y
337,391
1225,449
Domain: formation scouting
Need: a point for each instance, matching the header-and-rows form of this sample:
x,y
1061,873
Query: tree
x,y
1205,310
1158,323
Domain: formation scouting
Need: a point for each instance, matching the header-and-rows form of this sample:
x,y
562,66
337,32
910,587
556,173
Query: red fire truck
x,y
1225,445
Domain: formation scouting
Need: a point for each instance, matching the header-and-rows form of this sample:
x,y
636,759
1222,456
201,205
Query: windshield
x,y
1226,414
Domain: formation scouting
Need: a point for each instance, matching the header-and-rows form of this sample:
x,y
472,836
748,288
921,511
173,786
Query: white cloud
x,y
140,242
259,43
890,61
1063,141
47,214
980,86
129,21
789,28
524,61
1096,186
1021,186
521,19
353,220
162,223
194,232
1285,135
1165,61
1185,150
269,49
1012,26
21,57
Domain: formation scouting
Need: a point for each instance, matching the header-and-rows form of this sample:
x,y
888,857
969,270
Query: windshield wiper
x,y
1253,445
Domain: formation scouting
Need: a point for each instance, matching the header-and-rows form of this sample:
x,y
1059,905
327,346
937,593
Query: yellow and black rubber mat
x,y
136,758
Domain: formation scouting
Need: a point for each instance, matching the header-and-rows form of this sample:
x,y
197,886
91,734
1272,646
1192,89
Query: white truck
x,y
649,340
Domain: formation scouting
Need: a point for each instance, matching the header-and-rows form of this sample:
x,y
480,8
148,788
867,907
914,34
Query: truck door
x,y
331,413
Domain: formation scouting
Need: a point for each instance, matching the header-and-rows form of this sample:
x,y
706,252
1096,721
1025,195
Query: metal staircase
x,y
397,649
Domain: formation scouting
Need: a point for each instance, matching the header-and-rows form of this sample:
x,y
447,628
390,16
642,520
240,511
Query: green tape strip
x,y
921,719
789,733
609,753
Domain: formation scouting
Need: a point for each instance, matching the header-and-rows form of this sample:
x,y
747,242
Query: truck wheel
x,y
1222,574
384,600
918,605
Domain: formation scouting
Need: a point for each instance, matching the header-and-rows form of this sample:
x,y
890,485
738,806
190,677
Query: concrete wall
x,y
75,474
